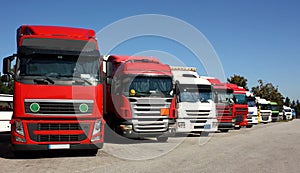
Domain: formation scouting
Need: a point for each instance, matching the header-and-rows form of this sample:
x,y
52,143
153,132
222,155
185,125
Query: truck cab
x,y
287,113
252,116
264,109
223,98
139,97
239,106
196,111
57,90
275,111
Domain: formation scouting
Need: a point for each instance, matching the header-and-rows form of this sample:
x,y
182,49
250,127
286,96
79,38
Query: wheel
x,y
162,139
249,126
224,130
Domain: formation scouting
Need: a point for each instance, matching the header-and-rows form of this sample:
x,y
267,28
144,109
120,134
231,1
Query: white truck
x,y
252,109
287,113
196,111
264,110
6,111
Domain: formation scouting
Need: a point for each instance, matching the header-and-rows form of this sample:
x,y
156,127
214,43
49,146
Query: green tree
x,y
287,101
293,105
7,87
268,92
238,80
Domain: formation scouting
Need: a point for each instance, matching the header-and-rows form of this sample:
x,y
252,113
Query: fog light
x,y
181,124
214,124
126,127
18,139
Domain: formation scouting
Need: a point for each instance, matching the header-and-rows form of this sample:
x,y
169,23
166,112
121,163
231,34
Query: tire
x,y
224,130
249,126
162,139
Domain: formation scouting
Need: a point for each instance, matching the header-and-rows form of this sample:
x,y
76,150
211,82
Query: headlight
x,y
19,127
96,131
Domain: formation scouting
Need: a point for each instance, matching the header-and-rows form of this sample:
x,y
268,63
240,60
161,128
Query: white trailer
x,y
196,111
6,110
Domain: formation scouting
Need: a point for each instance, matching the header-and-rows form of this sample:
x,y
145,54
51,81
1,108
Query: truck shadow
x,y
7,153
115,138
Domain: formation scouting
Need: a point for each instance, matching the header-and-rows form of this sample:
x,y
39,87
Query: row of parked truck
x,y
65,94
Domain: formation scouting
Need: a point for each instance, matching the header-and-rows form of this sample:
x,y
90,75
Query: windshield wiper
x,y
43,80
77,77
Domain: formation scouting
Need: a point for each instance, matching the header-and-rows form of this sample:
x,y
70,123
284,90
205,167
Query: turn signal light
x,y
165,111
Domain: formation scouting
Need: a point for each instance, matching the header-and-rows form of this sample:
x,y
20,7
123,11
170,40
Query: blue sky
x,y
256,39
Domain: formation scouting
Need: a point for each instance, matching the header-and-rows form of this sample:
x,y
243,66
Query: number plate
x,y
207,126
59,146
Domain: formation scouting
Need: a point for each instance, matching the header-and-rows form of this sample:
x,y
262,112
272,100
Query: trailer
x,y
6,111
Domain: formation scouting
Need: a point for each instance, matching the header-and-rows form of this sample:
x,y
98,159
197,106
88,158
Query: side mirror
x,y
109,80
7,64
109,70
177,91
5,78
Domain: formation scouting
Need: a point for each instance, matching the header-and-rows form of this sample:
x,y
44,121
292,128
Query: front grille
x,y
242,109
239,118
58,127
223,111
58,138
61,107
201,113
265,118
146,114
198,121
265,115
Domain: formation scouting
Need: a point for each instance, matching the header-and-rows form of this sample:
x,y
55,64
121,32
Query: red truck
x,y
139,97
57,90
222,97
240,105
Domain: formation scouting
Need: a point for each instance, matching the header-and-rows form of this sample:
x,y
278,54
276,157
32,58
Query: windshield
x,y
287,110
265,107
58,68
6,106
223,97
275,107
251,103
195,93
143,86
239,98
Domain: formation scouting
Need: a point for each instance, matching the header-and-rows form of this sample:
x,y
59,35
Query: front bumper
x,y
226,125
130,133
36,147
186,126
